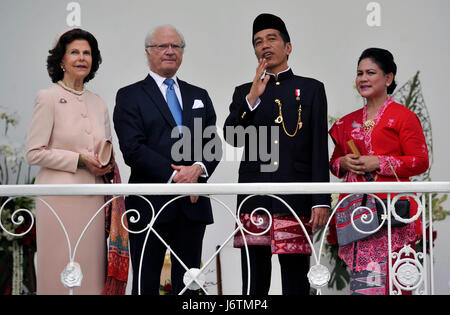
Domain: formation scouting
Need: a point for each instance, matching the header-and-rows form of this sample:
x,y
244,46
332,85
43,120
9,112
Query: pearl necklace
x,y
65,87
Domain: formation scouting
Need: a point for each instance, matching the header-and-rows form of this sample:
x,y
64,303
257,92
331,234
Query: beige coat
x,y
63,126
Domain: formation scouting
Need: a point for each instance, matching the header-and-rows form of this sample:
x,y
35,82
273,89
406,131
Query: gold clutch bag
x,y
105,154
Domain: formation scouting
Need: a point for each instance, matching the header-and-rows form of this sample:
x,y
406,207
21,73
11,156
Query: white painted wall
x,y
327,36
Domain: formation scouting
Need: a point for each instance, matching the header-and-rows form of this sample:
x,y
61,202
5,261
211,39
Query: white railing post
x,y
390,253
424,249
430,228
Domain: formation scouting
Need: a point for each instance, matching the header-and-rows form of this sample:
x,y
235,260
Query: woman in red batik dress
x,y
392,147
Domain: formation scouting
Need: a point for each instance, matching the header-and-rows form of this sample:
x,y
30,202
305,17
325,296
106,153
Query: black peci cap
x,y
267,20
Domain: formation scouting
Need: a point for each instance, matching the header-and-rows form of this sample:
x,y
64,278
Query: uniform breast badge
x,y
297,94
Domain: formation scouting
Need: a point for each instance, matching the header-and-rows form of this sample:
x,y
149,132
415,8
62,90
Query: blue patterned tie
x,y
173,103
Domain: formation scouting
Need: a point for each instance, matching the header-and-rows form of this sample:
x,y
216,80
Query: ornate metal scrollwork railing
x,y
409,272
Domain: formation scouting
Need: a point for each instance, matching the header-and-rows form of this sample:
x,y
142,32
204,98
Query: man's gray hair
x,y
149,36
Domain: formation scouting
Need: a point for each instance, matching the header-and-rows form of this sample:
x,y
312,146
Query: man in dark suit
x,y
155,121
288,114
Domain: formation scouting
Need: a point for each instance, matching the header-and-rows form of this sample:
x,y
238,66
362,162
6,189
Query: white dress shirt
x,y
163,88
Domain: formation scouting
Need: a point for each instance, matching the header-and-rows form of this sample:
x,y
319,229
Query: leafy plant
x,y
16,252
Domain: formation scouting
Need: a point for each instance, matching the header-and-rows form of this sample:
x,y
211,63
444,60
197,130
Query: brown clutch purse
x,y
105,154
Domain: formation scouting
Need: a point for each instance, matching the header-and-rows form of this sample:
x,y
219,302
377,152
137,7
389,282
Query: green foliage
x,y
27,242
11,168
340,276
438,211
332,120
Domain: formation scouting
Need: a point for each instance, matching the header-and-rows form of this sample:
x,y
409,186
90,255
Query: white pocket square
x,y
198,104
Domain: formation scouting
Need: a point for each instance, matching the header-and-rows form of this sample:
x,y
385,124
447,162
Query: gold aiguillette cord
x,y
280,119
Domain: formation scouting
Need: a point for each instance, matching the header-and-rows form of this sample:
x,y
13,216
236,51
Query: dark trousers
x,y
294,269
184,237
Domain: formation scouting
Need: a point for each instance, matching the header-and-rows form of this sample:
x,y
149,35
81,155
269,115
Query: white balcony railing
x,y
411,273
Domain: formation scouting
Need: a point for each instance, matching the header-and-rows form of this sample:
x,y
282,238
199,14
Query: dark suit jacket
x,y
143,123
302,158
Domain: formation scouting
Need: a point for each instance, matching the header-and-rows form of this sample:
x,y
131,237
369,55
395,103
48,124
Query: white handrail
x,y
222,189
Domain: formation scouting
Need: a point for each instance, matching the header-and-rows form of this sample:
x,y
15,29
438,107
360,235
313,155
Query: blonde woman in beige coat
x,y
67,128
